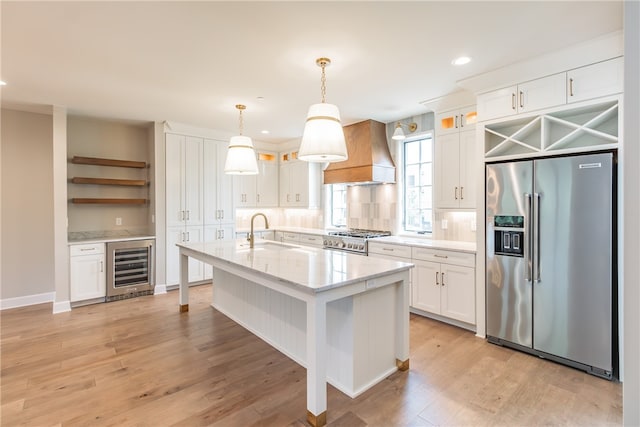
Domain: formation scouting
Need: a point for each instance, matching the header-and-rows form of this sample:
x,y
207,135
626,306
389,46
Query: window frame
x,y
401,149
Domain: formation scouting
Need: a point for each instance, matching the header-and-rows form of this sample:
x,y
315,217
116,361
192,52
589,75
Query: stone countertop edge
x,y
89,240
452,245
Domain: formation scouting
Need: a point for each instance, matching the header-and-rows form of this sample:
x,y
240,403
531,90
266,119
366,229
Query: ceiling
x,y
191,62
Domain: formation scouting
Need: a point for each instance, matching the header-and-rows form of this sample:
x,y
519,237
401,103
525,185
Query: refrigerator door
x,y
508,285
573,199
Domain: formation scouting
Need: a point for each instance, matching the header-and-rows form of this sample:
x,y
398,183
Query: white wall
x,y
631,385
27,204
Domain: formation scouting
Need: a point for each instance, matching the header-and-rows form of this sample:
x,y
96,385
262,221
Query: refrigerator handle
x,y
537,277
528,240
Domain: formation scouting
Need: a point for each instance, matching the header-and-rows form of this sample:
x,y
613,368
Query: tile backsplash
x,y
372,207
305,218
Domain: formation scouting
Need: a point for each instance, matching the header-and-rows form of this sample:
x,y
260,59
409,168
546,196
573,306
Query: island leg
x,y
184,282
316,362
402,323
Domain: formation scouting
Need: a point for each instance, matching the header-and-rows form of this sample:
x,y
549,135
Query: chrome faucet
x,y
266,224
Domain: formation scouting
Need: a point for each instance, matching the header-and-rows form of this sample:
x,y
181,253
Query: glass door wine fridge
x,y
130,269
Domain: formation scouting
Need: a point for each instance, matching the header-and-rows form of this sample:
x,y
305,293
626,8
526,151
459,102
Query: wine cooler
x,y
130,269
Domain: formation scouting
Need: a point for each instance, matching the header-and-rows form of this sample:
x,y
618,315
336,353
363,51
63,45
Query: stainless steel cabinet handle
x,y
87,249
297,197
288,197
442,279
222,234
437,284
181,215
387,249
440,256
461,196
528,240
571,87
101,266
456,193
538,197
188,214
456,122
461,121
513,101
521,99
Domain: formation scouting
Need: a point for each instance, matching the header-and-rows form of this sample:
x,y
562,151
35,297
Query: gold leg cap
x,y
402,365
319,420
184,308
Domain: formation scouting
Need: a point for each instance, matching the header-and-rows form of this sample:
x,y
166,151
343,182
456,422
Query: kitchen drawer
x,y
392,250
445,257
290,237
311,240
86,249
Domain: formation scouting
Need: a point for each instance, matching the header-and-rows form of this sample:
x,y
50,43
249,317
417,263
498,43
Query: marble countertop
x,y
311,269
105,236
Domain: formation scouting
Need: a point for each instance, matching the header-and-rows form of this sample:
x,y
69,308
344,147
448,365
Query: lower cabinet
x,y
444,283
183,235
394,253
87,272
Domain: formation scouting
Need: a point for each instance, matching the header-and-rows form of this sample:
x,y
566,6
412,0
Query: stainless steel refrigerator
x,y
550,272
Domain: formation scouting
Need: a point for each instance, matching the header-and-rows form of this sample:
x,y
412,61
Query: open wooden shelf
x,y
109,181
108,162
109,201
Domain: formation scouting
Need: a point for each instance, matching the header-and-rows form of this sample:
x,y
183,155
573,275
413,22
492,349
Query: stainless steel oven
x,y
130,269
352,240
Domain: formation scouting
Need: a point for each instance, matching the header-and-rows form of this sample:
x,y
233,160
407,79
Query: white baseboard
x,y
159,289
27,300
61,307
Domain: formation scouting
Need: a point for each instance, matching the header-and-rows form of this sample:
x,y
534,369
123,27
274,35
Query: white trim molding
x,y
27,300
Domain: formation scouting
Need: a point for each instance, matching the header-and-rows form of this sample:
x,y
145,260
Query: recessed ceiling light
x,y
3,83
260,98
265,132
462,60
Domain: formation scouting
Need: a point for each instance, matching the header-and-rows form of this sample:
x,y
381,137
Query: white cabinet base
x,y
443,319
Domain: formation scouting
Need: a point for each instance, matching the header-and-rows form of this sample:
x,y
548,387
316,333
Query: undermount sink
x,y
266,244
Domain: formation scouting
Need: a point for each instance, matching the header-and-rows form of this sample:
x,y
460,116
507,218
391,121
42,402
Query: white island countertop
x,y
307,268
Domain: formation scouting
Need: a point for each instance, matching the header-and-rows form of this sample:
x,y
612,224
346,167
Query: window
x,y
339,205
418,184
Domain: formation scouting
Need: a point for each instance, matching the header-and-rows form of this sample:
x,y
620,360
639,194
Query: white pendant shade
x,y
241,158
398,134
323,137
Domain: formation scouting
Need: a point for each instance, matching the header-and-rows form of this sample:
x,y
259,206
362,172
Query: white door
x,y
285,179
458,293
542,93
267,183
174,180
299,184
225,188
447,166
193,181
593,81
497,103
87,277
426,286
468,166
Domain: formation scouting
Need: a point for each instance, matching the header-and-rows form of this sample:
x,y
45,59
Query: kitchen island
x,y
345,317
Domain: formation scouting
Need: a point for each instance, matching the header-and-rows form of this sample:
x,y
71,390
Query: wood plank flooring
x,y
139,362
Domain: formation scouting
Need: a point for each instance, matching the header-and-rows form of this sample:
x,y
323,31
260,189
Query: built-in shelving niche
x,y
592,127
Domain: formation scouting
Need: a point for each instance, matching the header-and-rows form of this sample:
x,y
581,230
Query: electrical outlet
x,y
118,221
443,224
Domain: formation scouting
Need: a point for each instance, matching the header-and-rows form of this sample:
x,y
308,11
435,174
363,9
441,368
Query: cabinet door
x,y
244,190
196,268
468,118
426,286
174,180
447,165
447,122
542,93
174,235
87,277
267,183
193,181
498,103
458,293
284,181
224,188
210,182
593,81
299,183
468,165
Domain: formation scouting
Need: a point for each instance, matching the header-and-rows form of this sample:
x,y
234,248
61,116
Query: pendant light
x,y
241,158
323,137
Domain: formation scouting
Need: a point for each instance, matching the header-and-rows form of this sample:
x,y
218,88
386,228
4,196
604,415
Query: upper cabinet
x,y
184,180
589,82
299,182
596,80
454,159
456,120
259,190
218,194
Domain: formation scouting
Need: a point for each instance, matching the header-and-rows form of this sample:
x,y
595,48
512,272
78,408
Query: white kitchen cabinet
x,y
595,80
184,180
310,240
455,121
299,182
218,188
444,283
393,253
260,190
183,235
533,95
87,272
454,181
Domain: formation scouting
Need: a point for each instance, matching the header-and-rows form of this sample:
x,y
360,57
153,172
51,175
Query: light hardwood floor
x,y
139,362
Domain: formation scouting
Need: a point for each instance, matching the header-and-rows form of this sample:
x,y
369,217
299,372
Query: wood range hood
x,y
369,159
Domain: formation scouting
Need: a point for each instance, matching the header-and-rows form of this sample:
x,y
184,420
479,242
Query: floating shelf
x,y
108,162
109,181
109,201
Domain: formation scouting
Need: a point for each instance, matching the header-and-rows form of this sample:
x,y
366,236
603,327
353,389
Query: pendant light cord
x,y
323,83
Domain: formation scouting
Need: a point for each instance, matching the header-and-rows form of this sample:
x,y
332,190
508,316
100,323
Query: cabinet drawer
x,y
445,257
310,240
87,249
290,237
391,250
